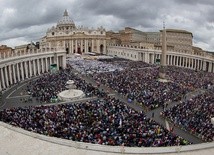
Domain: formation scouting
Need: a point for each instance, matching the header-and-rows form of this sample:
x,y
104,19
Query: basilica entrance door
x,y
101,48
79,50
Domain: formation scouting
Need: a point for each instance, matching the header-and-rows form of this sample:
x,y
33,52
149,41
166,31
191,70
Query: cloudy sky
x,y
22,21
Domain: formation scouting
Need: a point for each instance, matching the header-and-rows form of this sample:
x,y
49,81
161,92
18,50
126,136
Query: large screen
x,y
53,68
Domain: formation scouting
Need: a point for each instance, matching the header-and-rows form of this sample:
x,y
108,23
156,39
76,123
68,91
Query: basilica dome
x,y
65,21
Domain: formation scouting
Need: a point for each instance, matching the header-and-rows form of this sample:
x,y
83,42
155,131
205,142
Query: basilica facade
x,y
74,39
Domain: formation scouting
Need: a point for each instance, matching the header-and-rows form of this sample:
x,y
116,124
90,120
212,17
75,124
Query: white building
x,y
74,39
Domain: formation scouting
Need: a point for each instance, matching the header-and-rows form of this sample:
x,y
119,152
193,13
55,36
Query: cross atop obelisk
x,y
162,72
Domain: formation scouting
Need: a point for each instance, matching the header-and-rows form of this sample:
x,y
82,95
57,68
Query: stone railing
x,y
87,148
18,53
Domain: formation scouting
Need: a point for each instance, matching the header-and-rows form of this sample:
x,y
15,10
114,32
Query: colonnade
x,y
86,45
15,70
194,62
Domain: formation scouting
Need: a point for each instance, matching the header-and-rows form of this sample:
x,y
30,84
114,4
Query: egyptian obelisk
x,y
162,72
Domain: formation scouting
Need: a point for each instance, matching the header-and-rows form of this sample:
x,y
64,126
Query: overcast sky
x,y
22,21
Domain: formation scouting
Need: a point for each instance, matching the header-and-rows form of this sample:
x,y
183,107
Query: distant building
x,y
177,40
5,51
74,39
22,49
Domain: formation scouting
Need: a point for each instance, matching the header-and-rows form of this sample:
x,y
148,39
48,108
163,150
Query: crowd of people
x,y
47,87
107,121
195,115
190,78
93,66
105,65
143,86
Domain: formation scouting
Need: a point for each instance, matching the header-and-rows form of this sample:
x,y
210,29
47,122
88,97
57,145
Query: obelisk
x,y
162,68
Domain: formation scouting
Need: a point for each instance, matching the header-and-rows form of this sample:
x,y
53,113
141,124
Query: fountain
x,y
72,93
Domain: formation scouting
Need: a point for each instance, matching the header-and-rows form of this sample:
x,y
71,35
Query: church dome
x,y
66,20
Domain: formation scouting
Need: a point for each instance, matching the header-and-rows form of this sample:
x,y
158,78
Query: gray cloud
x,y
22,21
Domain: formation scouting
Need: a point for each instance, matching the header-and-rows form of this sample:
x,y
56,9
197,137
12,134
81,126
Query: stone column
x,y
182,63
69,46
72,46
30,67
210,67
64,61
204,65
56,60
22,70
6,76
179,60
104,46
76,46
0,86
14,73
189,63
98,46
42,64
92,45
146,57
2,78
186,62
213,67
38,66
200,64
193,63
10,75
34,68
85,45
26,68
18,71
81,46
153,58
46,64
174,59
194,60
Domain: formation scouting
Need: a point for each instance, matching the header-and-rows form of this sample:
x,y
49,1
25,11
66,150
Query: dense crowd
x,y
128,64
142,86
93,66
107,122
190,78
195,115
47,87
110,122
105,65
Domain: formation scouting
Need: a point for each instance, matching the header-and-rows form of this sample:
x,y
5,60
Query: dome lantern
x,y
66,21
